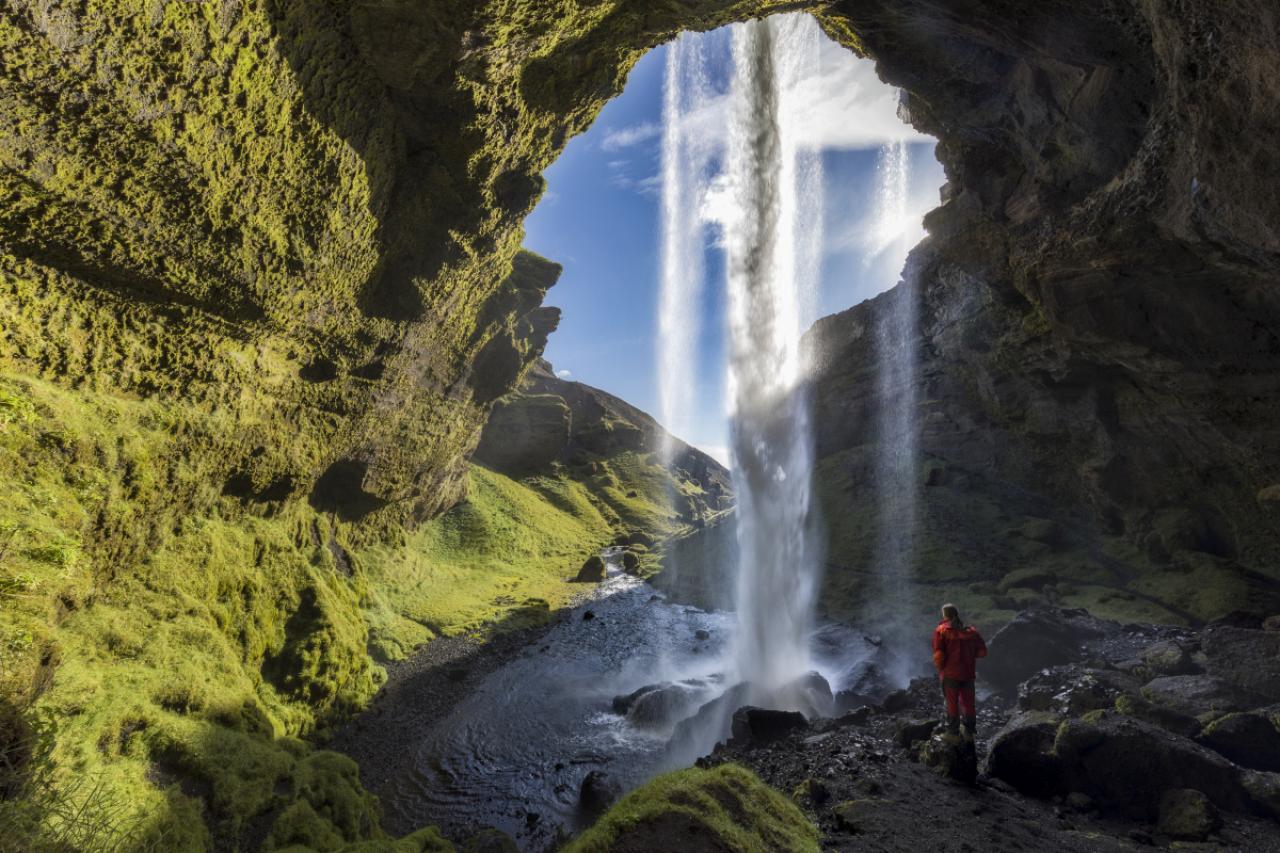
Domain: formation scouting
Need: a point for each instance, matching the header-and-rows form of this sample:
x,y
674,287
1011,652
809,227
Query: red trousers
x,y
960,698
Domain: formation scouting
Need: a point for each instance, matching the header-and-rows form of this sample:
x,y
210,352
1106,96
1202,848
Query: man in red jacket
x,y
956,646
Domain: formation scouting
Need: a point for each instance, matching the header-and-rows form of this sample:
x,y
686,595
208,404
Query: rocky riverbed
x,y
1097,737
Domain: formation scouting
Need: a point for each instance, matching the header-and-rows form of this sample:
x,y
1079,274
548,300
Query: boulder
x,y
1263,791
1035,640
598,792
631,562
1166,718
855,816
909,732
1272,624
592,571
1074,690
1250,739
665,704
753,725
1247,657
810,694
1199,694
1168,657
952,757
866,685
1021,754
1187,815
1126,765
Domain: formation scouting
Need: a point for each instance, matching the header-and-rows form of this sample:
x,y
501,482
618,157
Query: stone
x,y
1035,640
597,792
1166,718
1263,791
631,562
491,841
814,789
1074,690
702,634
1270,495
592,571
866,684
753,725
1021,754
1247,657
1250,739
1041,530
1199,694
1272,624
1126,765
1187,815
1168,657
588,615
663,705
908,732
854,815
951,756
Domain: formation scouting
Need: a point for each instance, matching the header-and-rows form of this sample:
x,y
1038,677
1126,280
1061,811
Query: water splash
x,y
771,264
896,476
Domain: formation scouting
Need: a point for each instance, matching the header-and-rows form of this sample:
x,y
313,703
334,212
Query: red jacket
x,y
955,650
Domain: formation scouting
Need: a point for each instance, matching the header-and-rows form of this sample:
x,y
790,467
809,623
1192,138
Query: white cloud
x,y
564,374
615,139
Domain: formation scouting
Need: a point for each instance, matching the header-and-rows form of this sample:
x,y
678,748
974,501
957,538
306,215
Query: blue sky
x,y
600,218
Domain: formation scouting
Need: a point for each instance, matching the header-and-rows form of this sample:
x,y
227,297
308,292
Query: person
x,y
956,648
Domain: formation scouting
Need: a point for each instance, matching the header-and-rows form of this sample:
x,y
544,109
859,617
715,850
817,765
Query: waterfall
x,y
770,257
685,91
896,475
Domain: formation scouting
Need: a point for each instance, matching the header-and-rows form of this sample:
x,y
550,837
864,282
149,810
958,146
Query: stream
x,y
513,753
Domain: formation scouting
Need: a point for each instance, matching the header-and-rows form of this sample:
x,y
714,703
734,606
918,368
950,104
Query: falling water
x,y
769,252
897,443
684,158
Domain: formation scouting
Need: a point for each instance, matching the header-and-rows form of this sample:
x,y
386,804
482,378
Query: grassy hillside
x,y
164,698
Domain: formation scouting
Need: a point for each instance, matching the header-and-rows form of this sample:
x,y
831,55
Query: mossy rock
x,y
725,808
592,571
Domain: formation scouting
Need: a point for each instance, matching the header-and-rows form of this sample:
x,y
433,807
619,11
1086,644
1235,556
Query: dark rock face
x,y
1097,319
1246,657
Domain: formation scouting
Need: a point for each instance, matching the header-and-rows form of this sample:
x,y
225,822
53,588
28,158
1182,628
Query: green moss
x,y
728,807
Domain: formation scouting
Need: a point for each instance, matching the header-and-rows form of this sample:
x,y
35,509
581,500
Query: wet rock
x,y
631,562
1022,755
909,732
588,616
1127,765
854,815
1074,689
1035,640
1247,657
491,841
1168,657
592,571
701,634
662,705
1250,739
710,722
1166,718
951,756
753,725
814,790
1186,814
1272,624
1199,694
867,685
810,693
1263,791
598,792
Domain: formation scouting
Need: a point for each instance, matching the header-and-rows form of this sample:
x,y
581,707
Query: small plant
x,y
15,409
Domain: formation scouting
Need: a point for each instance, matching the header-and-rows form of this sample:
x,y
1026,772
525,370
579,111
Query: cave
x,y
194,194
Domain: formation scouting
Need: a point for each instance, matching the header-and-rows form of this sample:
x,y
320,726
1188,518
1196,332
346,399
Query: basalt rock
x,y
1035,640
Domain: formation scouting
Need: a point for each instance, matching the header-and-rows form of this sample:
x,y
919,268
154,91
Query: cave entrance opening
x,y
658,211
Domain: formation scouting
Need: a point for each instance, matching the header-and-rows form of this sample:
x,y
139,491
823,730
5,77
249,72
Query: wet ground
x,y
469,735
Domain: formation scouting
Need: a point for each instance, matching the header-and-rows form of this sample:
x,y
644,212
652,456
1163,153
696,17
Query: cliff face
x,y
262,284
1099,312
